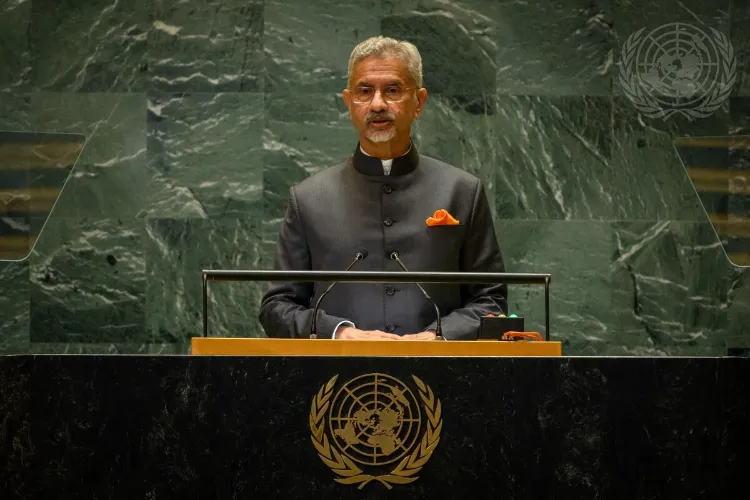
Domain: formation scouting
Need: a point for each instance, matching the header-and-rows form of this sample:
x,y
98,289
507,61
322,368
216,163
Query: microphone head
x,y
362,254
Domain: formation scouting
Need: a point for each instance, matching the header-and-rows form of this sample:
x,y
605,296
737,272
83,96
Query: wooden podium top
x,y
328,347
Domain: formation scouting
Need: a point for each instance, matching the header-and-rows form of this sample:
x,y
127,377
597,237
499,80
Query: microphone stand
x,y
313,330
438,329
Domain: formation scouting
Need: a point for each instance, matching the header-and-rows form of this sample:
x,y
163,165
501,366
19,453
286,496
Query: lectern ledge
x,y
217,346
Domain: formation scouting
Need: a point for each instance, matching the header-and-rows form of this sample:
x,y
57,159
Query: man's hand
x,y
349,333
420,336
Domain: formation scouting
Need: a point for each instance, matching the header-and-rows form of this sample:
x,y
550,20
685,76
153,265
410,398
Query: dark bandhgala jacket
x,y
353,206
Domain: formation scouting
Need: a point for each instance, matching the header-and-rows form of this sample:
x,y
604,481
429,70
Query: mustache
x,y
380,116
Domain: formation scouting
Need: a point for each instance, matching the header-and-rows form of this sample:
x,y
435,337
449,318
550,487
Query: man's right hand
x,y
349,333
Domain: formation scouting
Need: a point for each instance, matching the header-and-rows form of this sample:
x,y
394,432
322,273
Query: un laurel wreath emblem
x,y
373,429
677,68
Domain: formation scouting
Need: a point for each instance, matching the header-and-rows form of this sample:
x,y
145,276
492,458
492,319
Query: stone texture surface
x,y
306,45
97,46
199,426
740,38
176,251
15,56
210,46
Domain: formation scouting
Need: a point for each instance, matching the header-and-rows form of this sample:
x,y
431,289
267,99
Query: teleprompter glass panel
x,y
719,168
34,168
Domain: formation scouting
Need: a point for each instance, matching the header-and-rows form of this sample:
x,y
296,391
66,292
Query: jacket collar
x,y
369,165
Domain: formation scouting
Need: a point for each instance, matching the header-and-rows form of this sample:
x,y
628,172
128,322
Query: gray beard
x,y
381,135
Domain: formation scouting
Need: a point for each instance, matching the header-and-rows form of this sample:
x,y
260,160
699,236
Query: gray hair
x,y
381,46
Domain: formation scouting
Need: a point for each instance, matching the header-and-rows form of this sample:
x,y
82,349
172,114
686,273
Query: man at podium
x,y
385,201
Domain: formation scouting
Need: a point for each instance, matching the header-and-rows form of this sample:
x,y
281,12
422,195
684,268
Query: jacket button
x,y
390,290
389,327
387,189
388,221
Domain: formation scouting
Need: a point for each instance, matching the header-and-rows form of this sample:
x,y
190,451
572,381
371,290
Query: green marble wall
x,y
201,114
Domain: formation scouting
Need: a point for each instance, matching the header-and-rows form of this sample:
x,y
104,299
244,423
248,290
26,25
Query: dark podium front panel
x,y
131,427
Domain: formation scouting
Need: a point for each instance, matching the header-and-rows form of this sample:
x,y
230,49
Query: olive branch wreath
x,y
405,472
650,106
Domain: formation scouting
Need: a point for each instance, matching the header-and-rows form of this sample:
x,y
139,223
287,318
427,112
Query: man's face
x,y
394,104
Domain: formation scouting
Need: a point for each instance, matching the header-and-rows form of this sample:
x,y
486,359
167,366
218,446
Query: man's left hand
x,y
420,336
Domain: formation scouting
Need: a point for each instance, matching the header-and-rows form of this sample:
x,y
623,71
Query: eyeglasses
x,y
365,95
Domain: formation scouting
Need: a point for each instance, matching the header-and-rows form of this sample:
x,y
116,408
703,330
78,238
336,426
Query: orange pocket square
x,y
442,218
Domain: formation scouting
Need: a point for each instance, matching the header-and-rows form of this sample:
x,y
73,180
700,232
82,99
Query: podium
x,y
328,347
285,418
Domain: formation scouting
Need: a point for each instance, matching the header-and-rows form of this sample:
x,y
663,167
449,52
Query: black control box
x,y
493,327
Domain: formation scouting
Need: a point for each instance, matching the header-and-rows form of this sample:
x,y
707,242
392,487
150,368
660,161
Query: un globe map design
x,y
679,62
375,419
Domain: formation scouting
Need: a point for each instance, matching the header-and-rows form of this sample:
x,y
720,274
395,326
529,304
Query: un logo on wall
x,y
677,69
375,428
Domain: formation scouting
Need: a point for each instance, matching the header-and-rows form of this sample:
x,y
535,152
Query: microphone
x,y
438,330
313,331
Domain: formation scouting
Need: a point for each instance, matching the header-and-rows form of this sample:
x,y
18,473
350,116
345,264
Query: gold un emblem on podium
x,y
374,428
